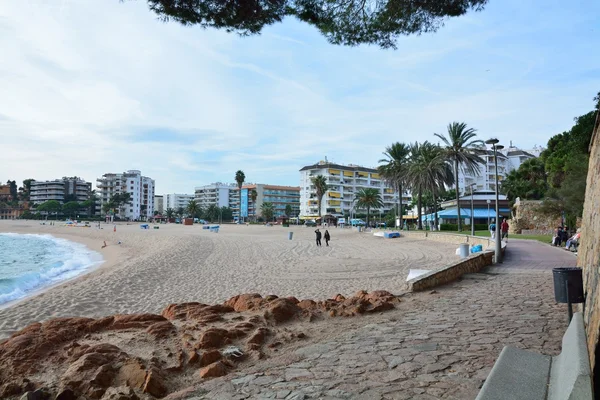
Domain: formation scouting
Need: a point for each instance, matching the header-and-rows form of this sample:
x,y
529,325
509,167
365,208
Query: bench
x,y
521,374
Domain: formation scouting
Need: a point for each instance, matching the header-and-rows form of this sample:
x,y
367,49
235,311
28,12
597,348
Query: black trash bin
x,y
568,285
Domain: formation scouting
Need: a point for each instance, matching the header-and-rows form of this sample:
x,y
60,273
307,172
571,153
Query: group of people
x,y
326,236
561,235
503,229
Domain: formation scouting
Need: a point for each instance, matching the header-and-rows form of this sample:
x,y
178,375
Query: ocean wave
x,y
43,261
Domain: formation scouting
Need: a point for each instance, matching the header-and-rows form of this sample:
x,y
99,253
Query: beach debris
x,y
232,351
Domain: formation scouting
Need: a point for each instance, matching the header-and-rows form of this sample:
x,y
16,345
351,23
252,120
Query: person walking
x,y
327,238
493,229
318,232
504,229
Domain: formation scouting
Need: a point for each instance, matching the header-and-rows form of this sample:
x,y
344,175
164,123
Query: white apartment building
x,y
140,187
159,203
344,182
74,188
509,159
176,201
218,194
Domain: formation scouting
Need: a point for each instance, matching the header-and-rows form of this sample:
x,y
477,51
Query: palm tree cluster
x,y
430,168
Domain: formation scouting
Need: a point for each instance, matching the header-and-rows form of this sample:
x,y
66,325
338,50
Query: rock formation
x,y
147,356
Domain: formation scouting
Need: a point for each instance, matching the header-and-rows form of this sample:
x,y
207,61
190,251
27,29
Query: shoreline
x,y
110,255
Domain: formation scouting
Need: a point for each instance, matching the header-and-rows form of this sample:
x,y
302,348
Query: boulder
x,y
161,329
132,374
258,337
66,394
120,393
212,338
214,370
245,302
281,310
154,384
209,357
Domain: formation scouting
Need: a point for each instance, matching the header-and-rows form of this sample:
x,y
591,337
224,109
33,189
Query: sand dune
x,y
152,268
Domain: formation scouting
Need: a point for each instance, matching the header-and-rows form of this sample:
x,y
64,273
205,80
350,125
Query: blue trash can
x,y
290,235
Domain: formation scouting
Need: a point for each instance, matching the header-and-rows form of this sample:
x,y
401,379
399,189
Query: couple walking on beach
x,y
326,236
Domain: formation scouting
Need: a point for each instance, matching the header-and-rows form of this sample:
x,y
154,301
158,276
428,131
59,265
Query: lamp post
x,y
488,201
472,211
496,147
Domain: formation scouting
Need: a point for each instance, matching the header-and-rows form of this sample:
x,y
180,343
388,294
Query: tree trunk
x,y
435,216
419,198
401,218
457,194
368,214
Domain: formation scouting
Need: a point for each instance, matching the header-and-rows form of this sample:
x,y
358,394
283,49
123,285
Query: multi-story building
x,y
344,182
61,190
159,203
484,180
176,200
141,189
279,196
218,194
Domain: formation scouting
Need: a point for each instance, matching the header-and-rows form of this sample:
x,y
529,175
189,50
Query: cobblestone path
x,y
439,344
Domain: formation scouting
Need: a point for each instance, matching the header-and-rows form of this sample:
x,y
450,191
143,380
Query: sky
x,y
89,87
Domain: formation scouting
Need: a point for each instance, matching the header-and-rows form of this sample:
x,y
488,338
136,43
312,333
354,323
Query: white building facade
x,y
176,200
218,194
141,189
485,179
159,203
344,182
61,190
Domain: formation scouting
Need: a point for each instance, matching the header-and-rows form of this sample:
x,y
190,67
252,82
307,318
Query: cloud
x,y
85,96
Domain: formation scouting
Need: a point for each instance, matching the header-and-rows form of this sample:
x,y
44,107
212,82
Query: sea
x,y
30,262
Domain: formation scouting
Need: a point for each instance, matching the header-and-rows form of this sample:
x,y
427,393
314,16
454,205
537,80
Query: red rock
x,y
213,370
154,384
195,311
66,394
245,302
244,326
271,297
236,333
281,310
380,306
338,297
360,294
193,357
380,295
293,300
258,337
212,338
132,374
209,357
161,329
307,305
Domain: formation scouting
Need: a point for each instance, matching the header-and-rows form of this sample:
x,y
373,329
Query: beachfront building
x,y
176,201
217,194
279,196
5,193
62,190
344,182
141,189
159,203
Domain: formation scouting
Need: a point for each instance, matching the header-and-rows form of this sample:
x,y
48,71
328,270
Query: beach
x,y
173,264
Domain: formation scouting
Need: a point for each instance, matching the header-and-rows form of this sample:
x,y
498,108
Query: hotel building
x,y
61,190
344,182
176,201
140,187
159,203
280,196
217,194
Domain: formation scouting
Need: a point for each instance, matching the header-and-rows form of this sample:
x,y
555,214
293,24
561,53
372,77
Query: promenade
x,y
439,344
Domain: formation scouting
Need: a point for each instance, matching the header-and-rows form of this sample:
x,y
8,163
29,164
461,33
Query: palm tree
x,y
368,198
321,188
429,172
395,168
253,196
462,149
267,210
169,212
240,177
193,209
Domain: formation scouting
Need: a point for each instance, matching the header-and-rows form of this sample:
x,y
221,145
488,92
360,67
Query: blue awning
x,y
465,213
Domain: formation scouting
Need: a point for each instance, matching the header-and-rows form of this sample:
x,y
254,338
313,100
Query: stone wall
x,y
449,238
451,272
589,250
527,217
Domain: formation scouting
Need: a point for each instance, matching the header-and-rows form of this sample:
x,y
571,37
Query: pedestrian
x,y
504,229
327,238
318,232
493,229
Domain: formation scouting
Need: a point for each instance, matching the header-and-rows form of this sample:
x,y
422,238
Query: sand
x,y
153,268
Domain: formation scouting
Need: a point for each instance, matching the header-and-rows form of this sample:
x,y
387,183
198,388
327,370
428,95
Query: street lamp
x,y
472,211
496,147
488,201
